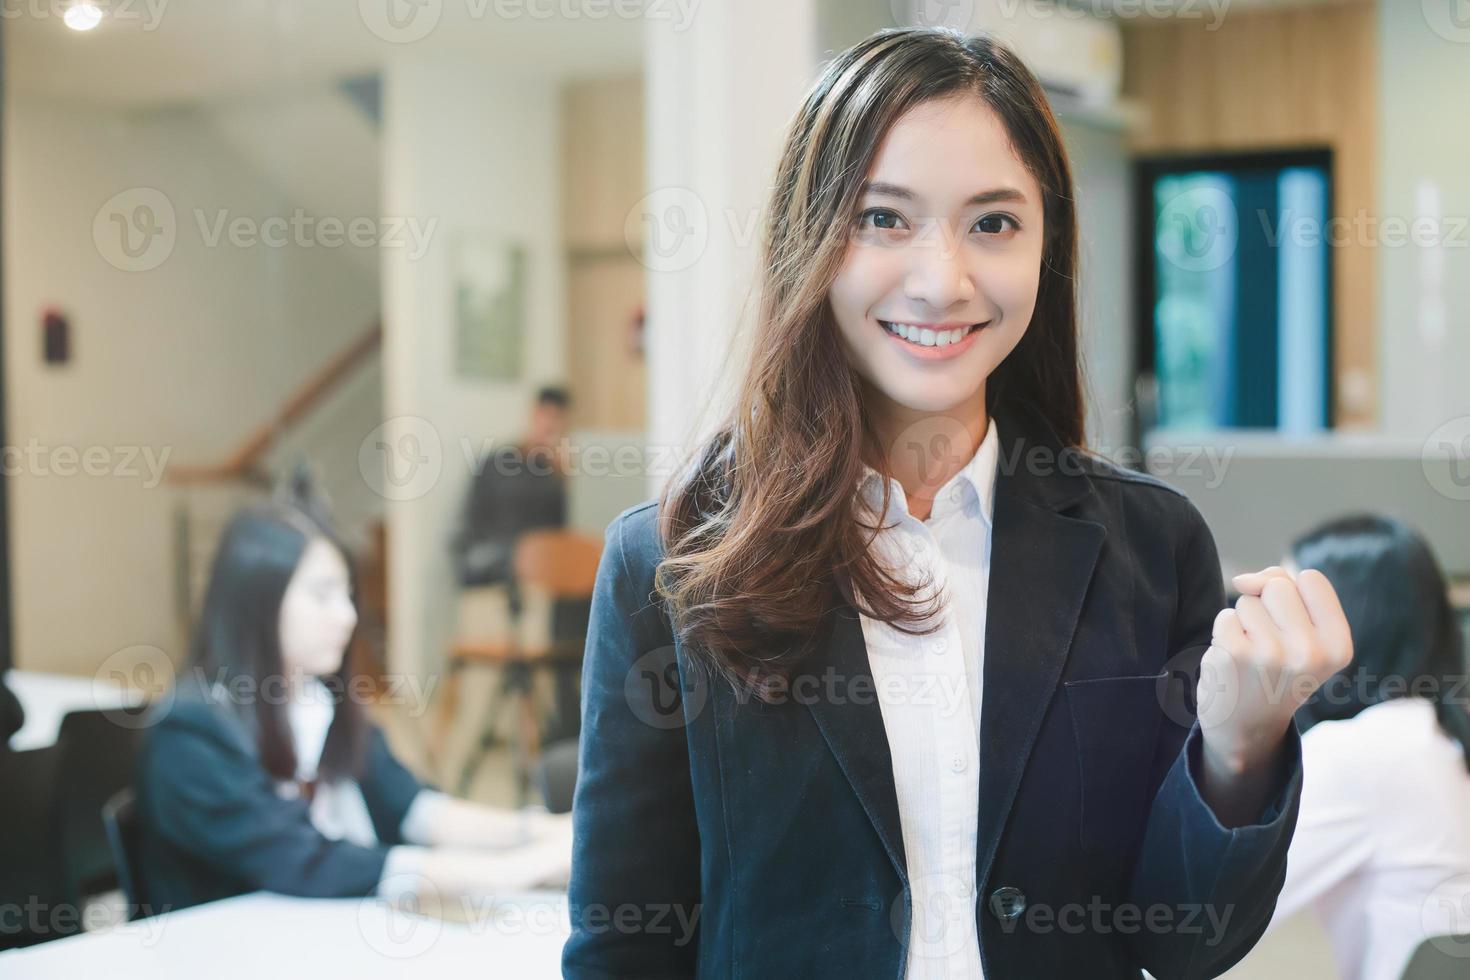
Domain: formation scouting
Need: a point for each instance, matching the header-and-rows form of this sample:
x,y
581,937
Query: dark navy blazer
x,y
212,825
774,829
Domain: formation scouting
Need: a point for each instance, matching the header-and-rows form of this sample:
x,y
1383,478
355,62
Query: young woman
x,y
886,683
262,771
1382,848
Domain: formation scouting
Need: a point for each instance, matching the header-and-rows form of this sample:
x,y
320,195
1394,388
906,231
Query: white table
x,y
273,936
47,698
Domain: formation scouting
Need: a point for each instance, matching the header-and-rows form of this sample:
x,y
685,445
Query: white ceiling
x,y
1142,9
151,52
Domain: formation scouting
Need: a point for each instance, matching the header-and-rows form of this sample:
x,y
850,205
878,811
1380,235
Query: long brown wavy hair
x,y
762,530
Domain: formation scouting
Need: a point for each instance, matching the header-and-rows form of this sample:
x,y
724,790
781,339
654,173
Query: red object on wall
x,y
636,332
55,337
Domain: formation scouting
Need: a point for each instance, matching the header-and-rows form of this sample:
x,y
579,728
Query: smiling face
x,y
940,276
317,613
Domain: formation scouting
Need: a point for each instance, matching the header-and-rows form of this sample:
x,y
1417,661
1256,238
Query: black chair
x,y
97,751
120,818
30,863
1440,958
556,772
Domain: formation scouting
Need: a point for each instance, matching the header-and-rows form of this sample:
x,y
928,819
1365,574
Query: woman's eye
x,y
880,219
997,224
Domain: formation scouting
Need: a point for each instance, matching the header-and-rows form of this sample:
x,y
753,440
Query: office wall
x,y
602,163
179,361
1424,146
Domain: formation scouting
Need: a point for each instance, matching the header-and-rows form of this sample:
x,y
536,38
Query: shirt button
x,y
938,645
959,763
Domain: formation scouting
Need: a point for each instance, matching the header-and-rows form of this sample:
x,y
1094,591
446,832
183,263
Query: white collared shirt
x,y
338,809
1382,845
929,690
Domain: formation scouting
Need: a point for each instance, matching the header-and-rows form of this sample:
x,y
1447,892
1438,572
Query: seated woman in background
x,y
262,772
1382,843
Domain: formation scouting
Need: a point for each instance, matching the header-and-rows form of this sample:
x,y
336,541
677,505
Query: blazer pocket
x,y
1116,724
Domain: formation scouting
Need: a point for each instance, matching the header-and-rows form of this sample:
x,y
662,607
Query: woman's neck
x,y
922,450
302,686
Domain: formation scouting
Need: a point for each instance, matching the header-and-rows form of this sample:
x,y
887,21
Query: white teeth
x,y
926,337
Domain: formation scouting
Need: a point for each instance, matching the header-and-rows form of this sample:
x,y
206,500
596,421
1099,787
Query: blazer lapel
x,y
853,727
1041,563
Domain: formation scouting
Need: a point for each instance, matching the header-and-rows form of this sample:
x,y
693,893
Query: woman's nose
x,y
939,277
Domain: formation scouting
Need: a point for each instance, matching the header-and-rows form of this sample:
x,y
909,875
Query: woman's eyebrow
x,y
995,196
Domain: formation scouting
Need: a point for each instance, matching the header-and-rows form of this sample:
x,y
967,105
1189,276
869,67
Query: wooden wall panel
x,y
603,167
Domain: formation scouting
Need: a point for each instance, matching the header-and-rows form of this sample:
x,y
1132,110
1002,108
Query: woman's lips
x,y
932,352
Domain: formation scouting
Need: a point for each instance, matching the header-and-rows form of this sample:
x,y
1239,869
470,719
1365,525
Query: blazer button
x,y
1007,903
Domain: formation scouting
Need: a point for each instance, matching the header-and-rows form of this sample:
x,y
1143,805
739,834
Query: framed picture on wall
x,y
489,282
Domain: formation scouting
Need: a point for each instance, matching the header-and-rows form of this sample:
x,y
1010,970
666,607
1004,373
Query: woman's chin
x,y
323,666
932,398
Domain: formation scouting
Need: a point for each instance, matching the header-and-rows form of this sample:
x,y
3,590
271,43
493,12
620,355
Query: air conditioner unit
x,y
1077,56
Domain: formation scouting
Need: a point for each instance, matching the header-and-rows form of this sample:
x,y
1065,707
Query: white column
x,y
475,154
720,90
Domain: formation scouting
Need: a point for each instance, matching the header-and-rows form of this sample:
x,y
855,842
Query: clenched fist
x,y
1285,637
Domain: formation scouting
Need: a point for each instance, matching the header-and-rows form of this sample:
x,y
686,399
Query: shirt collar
x,y
977,476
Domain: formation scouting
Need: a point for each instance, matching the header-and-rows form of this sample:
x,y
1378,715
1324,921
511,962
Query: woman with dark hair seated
x,y
262,771
1382,844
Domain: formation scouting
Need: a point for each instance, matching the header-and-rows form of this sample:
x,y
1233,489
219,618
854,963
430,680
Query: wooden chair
x,y
552,567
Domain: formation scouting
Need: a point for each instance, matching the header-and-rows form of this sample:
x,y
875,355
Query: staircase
x,y
322,423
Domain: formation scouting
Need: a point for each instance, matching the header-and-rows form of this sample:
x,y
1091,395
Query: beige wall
x,y
603,169
178,361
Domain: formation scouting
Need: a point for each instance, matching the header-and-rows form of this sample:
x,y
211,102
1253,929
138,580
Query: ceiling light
x,y
82,16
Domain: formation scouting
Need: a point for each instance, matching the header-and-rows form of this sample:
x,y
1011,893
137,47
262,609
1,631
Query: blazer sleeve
x,y
635,850
388,788
1218,884
206,794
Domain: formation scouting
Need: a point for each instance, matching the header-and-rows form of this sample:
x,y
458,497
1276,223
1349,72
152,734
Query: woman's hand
x,y
1286,636
438,820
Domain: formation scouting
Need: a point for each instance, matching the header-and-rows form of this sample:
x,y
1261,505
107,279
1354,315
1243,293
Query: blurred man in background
x,y
518,488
